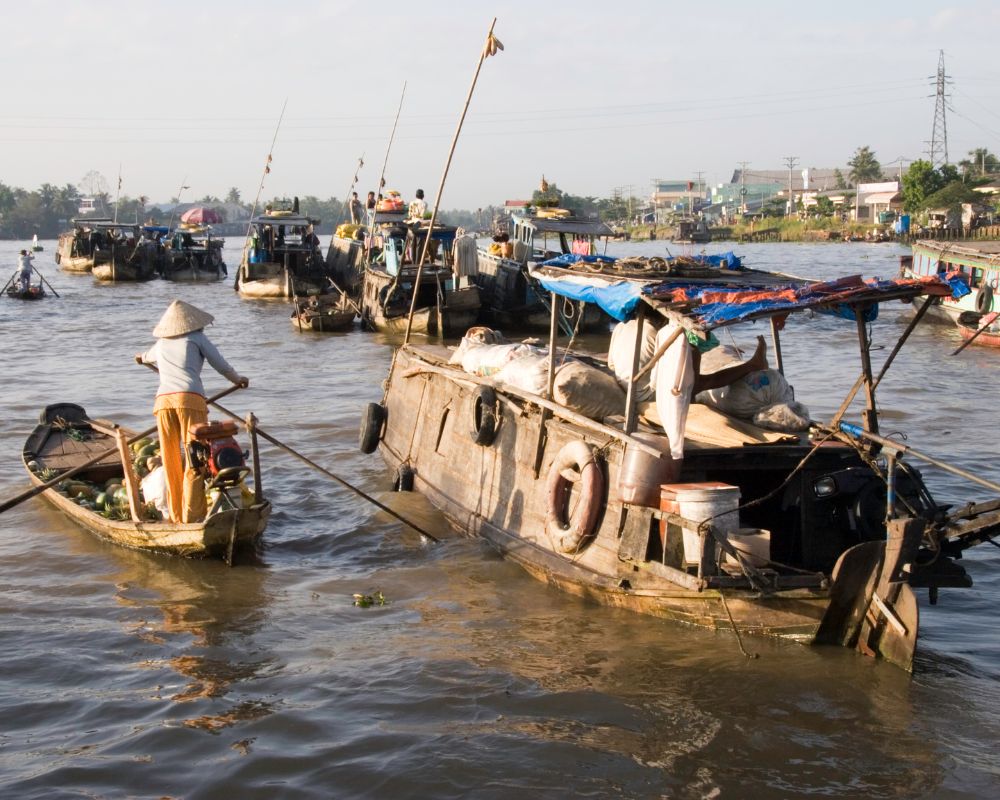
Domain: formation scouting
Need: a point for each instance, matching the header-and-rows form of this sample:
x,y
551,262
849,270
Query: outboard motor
x,y
214,449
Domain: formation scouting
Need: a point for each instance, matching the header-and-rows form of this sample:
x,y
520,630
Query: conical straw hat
x,y
181,318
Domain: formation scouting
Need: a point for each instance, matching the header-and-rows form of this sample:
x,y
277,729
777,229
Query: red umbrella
x,y
201,215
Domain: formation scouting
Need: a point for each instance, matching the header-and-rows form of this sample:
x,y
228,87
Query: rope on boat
x,y
732,622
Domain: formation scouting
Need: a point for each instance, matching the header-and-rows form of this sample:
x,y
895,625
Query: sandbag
x,y
488,359
620,353
587,390
791,416
750,394
475,337
529,373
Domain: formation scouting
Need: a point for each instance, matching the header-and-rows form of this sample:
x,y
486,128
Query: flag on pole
x,y
493,44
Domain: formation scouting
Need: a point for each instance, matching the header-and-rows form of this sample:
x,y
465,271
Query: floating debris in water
x,y
368,600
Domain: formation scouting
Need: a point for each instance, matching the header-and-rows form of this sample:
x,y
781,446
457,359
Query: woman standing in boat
x,y
180,352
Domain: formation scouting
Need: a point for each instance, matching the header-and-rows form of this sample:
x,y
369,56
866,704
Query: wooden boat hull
x,y
193,275
386,311
223,531
34,293
492,491
324,321
119,273
77,264
272,281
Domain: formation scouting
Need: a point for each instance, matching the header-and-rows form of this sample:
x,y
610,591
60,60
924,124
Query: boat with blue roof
x,y
729,508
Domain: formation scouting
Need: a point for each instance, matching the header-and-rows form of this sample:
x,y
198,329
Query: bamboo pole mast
x,y
180,191
489,49
260,189
354,182
381,178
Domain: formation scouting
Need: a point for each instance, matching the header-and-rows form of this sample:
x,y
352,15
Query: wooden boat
x,y
35,246
390,281
66,438
112,251
511,299
691,231
330,312
594,506
15,292
193,256
976,263
969,325
282,259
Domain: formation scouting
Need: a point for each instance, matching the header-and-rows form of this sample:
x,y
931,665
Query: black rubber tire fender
x,y
484,416
372,423
984,299
403,481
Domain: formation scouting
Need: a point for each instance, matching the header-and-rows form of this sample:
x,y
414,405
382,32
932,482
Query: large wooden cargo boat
x,y
790,534
441,308
194,256
282,258
511,299
66,439
112,251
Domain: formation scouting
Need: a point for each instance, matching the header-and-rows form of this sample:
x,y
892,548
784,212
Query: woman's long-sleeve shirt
x,y
180,359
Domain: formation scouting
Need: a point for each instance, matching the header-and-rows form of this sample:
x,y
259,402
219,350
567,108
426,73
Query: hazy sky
x,y
594,95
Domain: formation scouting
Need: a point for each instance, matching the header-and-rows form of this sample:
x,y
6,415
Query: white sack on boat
x,y
792,416
620,356
750,394
488,359
154,490
529,372
587,390
674,382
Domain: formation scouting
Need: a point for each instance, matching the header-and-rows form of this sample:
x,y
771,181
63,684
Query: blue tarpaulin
x,y
568,259
617,298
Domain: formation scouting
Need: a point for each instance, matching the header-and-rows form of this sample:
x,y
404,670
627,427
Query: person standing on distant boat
x,y
24,264
418,207
180,352
356,209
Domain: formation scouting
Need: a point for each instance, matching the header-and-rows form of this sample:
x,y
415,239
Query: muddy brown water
x,y
128,675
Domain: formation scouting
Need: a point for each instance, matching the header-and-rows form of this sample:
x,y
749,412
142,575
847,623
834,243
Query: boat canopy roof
x,y
105,223
285,219
571,225
729,296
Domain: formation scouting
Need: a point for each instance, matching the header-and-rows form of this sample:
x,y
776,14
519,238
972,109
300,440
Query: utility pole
x,y
791,161
701,194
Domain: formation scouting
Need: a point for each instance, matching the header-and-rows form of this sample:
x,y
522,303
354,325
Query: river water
x,y
127,675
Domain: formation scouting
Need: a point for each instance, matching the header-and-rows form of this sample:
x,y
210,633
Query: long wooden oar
x,y
308,461
7,504
9,282
42,278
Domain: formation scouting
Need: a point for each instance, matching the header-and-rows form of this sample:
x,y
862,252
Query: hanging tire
x,y
372,423
404,479
984,299
484,416
569,533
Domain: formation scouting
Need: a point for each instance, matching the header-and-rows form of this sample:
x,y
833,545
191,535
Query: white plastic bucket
x,y
698,502
754,544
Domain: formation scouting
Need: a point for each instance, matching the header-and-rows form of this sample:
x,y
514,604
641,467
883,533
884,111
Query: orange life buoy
x,y
565,532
